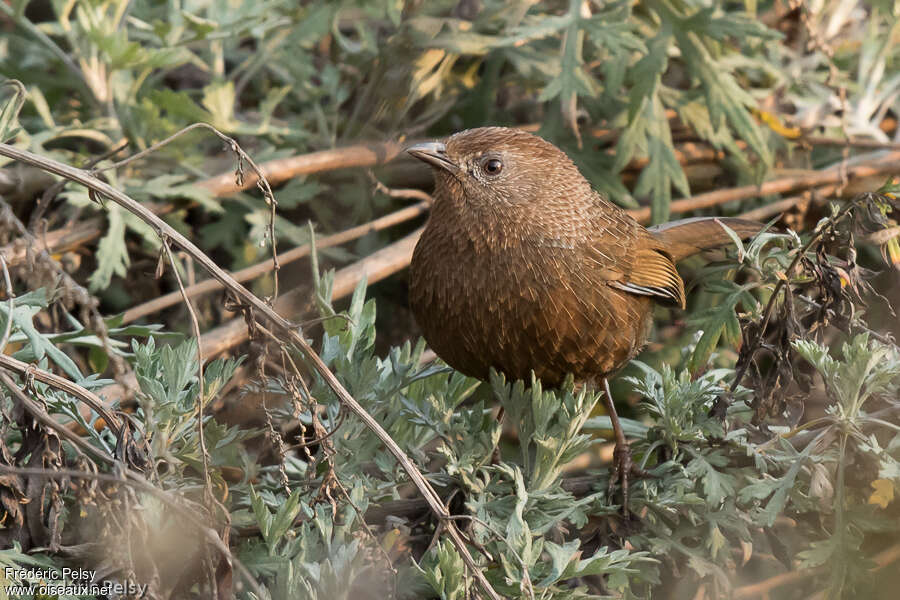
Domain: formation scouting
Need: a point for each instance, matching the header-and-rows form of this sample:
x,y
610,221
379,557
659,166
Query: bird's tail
x,y
689,236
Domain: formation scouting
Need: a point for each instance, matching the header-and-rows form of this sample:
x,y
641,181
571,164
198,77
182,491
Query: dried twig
x,y
783,284
201,387
40,415
253,271
10,305
280,170
56,241
768,211
375,267
75,292
832,175
261,182
89,398
866,144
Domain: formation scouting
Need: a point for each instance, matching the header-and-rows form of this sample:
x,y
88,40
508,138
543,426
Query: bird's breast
x,y
518,308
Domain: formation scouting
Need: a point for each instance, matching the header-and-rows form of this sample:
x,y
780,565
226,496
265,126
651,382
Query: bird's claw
x,y
622,467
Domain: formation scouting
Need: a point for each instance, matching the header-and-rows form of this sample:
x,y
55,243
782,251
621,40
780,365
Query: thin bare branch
x,y
834,175
253,271
280,170
375,267
40,415
61,383
10,305
201,387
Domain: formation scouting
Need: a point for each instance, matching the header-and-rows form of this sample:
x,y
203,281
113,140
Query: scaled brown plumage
x,y
523,266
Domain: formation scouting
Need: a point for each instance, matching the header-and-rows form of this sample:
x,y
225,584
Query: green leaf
x,y
705,345
728,25
180,104
572,80
218,99
38,345
174,186
618,37
647,73
9,111
717,484
725,99
779,489
663,169
560,557
444,570
112,254
284,518
263,516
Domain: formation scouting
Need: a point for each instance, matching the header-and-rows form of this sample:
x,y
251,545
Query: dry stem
x,y
253,271
89,398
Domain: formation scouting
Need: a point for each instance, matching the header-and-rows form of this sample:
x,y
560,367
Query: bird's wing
x,y
653,274
626,256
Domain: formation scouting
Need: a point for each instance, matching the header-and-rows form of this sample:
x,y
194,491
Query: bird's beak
x,y
435,154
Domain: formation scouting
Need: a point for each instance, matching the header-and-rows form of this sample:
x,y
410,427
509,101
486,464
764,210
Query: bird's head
x,y
498,168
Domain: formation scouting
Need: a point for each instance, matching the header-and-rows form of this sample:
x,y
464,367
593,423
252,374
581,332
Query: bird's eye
x,y
492,166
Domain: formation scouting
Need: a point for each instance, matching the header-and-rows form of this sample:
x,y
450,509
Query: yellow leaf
x,y
747,550
775,124
391,538
892,251
883,494
470,78
430,59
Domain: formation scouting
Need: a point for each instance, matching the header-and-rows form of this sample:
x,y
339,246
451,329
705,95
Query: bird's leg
x,y
622,465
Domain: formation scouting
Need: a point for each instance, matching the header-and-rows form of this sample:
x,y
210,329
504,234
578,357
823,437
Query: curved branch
x,y
61,383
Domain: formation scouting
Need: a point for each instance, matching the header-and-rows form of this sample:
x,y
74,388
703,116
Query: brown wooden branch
x,y
866,144
61,383
258,308
56,241
764,213
686,153
281,169
253,271
833,175
762,588
362,155
367,155
377,153
23,183
375,267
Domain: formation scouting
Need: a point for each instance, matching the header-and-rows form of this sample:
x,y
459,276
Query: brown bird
x,y
524,267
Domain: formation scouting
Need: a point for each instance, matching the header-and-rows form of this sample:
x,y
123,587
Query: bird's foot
x,y
622,468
